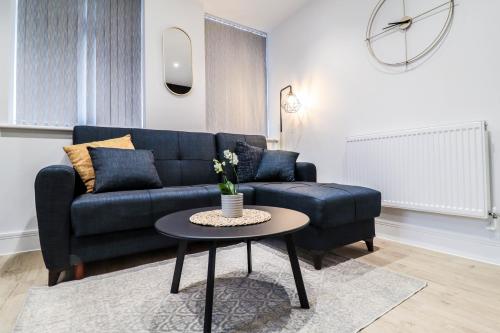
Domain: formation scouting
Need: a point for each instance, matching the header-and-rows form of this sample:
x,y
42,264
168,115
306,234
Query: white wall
x,y
163,109
25,152
321,51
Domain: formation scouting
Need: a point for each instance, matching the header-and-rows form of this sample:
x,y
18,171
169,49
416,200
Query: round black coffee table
x,y
284,222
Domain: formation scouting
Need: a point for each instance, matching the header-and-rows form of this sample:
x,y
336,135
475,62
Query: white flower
x,y
231,157
218,166
224,163
234,160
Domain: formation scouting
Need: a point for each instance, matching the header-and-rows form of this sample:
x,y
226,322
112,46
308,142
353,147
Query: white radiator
x,y
441,169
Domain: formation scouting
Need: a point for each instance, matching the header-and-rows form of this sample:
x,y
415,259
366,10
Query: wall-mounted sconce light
x,y
290,103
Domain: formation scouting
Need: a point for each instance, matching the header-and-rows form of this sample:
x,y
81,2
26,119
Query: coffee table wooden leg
x,y
249,256
179,262
209,300
297,275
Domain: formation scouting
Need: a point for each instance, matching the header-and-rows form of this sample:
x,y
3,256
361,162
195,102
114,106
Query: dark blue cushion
x,y
228,141
249,158
123,169
277,165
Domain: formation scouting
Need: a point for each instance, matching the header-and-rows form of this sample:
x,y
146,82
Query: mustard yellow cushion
x,y
80,158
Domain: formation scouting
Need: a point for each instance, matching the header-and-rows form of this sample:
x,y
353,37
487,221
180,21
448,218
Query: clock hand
x,y
399,22
391,26
382,32
394,24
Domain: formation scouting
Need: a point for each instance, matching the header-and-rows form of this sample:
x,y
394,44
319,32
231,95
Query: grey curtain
x,y
235,80
79,62
114,62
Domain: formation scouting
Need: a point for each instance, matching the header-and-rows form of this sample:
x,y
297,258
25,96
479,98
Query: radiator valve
x,y
494,220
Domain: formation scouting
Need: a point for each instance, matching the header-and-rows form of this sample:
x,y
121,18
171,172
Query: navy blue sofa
x,y
76,227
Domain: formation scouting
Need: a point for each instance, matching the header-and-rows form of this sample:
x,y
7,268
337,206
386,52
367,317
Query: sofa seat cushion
x,y
173,199
99,213
93,214
327,205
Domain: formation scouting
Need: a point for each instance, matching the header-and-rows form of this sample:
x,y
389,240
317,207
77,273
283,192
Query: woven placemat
x,y
214,218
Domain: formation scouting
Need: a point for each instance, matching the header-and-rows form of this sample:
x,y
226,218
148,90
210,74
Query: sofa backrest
x,y
228,141
181,158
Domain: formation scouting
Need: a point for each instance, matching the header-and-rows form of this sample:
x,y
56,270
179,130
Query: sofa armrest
x,y
54,192
305,172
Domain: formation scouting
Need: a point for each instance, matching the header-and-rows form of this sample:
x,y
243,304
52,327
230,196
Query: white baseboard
x,y
461,245
20,241
470,247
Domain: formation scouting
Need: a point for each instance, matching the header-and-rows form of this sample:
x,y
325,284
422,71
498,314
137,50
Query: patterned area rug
x,y
344,297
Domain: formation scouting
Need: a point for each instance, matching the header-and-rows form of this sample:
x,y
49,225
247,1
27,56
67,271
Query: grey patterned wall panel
x,y
79,62
235,80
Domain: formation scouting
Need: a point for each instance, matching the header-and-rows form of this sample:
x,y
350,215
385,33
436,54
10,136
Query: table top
x,y
283,221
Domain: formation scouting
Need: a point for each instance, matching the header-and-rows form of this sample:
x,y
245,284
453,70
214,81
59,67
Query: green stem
x,y
237,179
237,188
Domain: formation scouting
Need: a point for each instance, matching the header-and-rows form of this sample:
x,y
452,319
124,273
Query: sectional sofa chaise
x,y
77,227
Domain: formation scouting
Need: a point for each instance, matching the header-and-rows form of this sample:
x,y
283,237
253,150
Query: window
x,y
79,62
235,78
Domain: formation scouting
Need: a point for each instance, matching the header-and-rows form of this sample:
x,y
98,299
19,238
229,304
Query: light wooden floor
x,y
462,295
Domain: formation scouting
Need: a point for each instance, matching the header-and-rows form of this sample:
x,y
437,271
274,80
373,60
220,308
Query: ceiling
x,y
262,15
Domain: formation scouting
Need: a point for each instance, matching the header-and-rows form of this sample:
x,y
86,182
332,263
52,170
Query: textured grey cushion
x,y
228,141
277,165
123,169
249,160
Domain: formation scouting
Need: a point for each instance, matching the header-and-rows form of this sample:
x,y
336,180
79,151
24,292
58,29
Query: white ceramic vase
x,y
232,205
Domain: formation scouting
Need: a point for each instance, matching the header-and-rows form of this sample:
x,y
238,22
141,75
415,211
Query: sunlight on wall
x,y
313,92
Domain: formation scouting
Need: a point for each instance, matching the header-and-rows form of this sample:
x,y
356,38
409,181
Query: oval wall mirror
x,y
177,63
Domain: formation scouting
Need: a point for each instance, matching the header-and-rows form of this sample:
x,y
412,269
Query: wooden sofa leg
x,y
53,277
369,244
318,259
79,271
